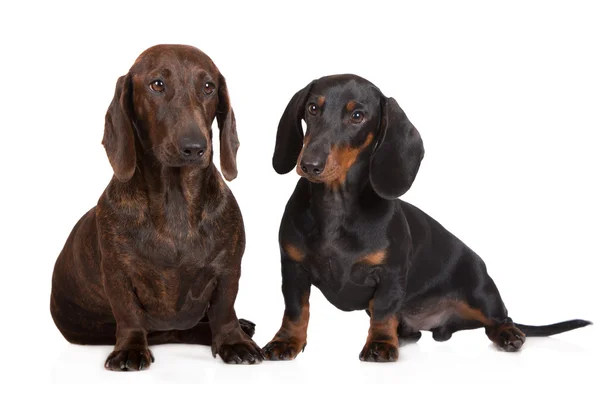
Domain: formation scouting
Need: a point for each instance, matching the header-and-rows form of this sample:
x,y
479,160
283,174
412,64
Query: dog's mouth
x,y
330,174
168,159
202,162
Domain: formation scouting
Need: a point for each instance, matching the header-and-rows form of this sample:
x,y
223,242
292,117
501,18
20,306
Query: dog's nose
x,y
191,148
312,166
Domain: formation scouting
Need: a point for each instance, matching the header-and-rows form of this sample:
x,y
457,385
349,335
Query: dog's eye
x,y
312,109
157,85
357,117
209,87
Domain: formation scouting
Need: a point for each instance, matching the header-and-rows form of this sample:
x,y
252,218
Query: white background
x,y
506,97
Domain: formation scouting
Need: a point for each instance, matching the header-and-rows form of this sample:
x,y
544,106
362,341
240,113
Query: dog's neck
x,y
334,204
175,196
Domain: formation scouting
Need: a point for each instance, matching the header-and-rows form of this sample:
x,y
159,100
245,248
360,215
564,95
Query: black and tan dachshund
x,y
345,231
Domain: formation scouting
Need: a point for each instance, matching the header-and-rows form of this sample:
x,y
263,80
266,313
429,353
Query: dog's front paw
x,y
379,352
244,352
287,349
129,360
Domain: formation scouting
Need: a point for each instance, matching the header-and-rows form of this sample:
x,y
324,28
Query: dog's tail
x,y
553,329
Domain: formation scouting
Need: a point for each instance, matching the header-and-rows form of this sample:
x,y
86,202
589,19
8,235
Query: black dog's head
x,y
350,125
168,101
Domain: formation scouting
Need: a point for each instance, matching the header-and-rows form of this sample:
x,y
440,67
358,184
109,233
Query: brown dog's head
x,y
168,101
351,127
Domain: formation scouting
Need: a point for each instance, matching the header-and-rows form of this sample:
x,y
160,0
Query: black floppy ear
x,y
290,137
119,140
398,154
228,138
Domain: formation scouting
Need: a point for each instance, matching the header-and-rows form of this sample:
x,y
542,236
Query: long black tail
x,y
548,330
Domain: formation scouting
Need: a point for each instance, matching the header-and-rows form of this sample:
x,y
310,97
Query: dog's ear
x,y
119,140
228,137
290,137
398,153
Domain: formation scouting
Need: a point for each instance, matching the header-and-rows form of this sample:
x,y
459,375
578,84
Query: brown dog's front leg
x,y
290,340
131,351
229,341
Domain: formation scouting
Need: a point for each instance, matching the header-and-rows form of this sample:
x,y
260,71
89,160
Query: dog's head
x,y
168,101
350,126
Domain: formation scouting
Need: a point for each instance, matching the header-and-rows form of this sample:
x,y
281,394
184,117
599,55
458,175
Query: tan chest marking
x,y
293,252
374,258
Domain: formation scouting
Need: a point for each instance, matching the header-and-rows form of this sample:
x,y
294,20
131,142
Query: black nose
x,y
191,148
312,166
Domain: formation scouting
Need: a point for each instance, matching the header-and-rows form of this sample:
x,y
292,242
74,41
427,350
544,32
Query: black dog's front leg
x,y
229,340
382,342
290,340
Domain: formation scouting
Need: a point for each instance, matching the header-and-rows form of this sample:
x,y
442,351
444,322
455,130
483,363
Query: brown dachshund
x,y
158,259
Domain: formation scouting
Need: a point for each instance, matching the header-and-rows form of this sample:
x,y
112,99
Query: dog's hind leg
x,y
483,306
406,334
81,326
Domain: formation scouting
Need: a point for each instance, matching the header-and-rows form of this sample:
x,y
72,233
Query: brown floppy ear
x,y
118,140
228,138
290,137
398,154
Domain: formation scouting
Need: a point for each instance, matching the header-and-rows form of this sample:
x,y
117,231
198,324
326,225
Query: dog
x,y
157,260
345,231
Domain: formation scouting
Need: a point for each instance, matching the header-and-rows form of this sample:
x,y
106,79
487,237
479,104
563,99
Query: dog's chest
x,y
172,275
175,297
346,284
332,249
174,247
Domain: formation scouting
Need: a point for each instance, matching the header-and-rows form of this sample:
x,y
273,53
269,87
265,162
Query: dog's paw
x,y
409,337
288,349
508,338
247,326
379,352
245,352
129,360
441,334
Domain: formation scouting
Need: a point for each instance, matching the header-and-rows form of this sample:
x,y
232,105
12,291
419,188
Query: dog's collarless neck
x,y
335,201
176,194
